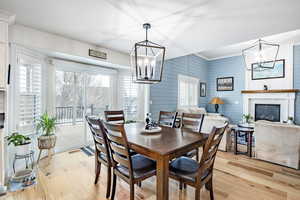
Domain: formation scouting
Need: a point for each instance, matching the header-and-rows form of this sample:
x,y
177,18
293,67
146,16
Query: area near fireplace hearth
x,y
236,102
277,103
272,105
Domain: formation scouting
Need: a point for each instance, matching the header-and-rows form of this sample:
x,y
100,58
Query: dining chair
x,y
102,154
115,116
167,118
197,174
131,168
192,122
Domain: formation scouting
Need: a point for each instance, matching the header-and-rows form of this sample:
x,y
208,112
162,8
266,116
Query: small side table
x,y
249,135
27,157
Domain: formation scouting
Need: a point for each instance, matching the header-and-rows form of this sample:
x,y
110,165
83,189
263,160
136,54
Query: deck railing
x,y
67,114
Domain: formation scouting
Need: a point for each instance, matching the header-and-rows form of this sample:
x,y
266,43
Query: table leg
x,y
38,160
250,145
162,174
235,141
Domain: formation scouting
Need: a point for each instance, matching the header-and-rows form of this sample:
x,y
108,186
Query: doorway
x,y
80,92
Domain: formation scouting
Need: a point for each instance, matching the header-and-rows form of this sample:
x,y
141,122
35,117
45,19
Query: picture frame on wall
x,y
277,72
202,89
225,83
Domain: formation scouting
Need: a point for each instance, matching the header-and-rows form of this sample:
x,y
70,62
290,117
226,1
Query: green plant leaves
x,y
18,139
47,124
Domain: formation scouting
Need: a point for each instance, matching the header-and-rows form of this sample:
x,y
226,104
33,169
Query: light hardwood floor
x,y
70,176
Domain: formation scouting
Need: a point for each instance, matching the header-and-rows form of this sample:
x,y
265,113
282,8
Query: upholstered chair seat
x,y
186,168
141,166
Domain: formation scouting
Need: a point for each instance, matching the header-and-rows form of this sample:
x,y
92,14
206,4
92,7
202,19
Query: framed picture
x,y
202,89
225,84
277,72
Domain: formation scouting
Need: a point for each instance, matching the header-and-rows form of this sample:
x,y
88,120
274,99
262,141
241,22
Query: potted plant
x,y
248,118
290,120
21,143
47,124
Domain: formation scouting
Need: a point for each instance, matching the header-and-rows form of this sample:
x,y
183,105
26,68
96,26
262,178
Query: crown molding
x,y
219,57
226,56
201,56
296,44
7,17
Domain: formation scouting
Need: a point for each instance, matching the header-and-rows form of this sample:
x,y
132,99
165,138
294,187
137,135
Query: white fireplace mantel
x,y
286,100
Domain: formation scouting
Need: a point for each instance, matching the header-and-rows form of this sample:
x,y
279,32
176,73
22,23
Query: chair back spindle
x,y
115,116
167,118
210,150
119,146
192,122
101,144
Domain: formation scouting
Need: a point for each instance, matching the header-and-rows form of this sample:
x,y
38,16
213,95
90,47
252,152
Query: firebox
x,y
269,112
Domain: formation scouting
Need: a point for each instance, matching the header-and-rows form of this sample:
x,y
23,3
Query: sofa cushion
x,y
210,121
183,110
197,110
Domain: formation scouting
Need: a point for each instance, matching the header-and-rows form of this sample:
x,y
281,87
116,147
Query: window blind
x,y
128,96
29,90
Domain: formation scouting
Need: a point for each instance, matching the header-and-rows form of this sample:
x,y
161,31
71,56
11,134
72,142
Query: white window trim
x,y
15,52
189,79
88,69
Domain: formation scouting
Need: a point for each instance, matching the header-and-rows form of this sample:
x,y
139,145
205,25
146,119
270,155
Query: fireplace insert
x,y
269,112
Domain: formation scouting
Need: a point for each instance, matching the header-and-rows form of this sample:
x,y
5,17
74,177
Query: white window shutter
x,y
29,92
128,96
188,91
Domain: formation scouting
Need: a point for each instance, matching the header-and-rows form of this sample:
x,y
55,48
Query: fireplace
x,y
269,112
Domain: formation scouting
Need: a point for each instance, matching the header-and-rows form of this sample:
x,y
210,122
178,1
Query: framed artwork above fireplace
x,y
277,72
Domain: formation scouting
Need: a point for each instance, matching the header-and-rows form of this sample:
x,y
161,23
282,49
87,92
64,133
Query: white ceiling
x,y
183,26
292,37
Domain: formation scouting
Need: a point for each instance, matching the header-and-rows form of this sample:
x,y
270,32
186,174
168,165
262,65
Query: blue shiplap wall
x,y
164,95
297,81
232,66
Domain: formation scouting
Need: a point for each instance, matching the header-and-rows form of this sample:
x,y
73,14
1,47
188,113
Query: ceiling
x,y
292,37
183,26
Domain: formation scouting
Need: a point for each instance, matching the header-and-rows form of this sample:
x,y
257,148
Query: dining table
x,y
163,146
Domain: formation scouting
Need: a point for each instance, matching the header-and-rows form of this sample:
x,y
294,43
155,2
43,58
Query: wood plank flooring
x,y
70,176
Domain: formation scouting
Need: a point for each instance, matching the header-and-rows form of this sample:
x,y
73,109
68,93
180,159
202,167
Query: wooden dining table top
x,y
167,141
163,146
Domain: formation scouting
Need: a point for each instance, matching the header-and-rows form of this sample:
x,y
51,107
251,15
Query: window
x,y
133,97
188,91
28,74
99,92
69,97
73,88
128,96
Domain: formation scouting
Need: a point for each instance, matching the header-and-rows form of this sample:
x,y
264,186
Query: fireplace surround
x,y
285,99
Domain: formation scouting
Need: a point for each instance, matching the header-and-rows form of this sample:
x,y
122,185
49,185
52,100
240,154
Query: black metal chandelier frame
x,y
147,44
260,66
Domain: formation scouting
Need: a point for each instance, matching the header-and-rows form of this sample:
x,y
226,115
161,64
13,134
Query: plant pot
x,y
22,149
46,142
290,122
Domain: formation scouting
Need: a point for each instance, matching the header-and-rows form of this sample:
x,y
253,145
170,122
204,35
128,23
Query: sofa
x,y
210,120
277,143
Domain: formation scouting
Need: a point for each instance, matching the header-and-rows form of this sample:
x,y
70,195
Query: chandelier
x,y
261,55
147,60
